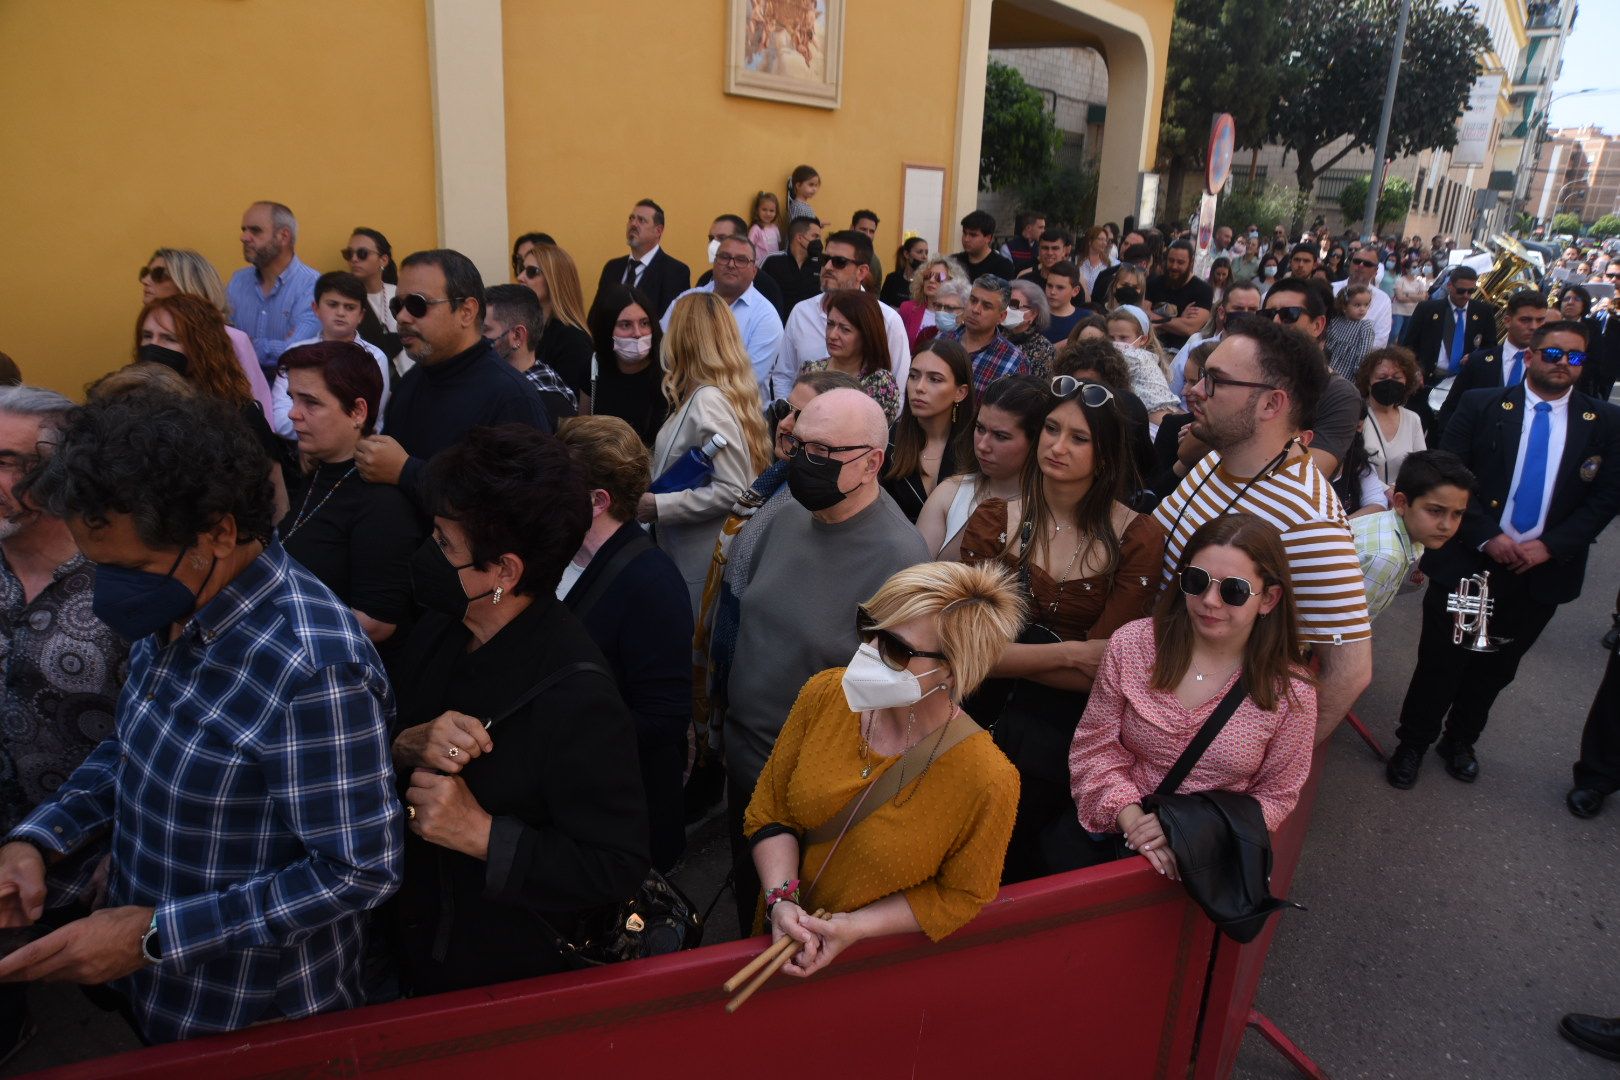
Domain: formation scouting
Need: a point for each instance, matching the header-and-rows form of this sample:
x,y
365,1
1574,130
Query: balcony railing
x,y
1544,15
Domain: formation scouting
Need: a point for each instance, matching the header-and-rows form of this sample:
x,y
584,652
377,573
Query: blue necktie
x,y
1459,341
1517,374
1527,500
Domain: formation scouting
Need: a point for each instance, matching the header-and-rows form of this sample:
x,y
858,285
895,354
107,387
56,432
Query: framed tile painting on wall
x,y
786,50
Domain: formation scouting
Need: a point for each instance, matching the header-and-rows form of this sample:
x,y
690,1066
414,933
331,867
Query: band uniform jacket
x,y
1483,369
1433,323
663,279
1485,432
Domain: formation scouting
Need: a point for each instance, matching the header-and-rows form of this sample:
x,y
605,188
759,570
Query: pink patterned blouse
x,y
1131,734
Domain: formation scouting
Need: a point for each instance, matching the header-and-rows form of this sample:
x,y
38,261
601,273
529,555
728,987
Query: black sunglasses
x,y
838,262
1096,395
418,305
350,254
1234,591
157,274
528,273
896,654
1362,262
1551,355
1292,313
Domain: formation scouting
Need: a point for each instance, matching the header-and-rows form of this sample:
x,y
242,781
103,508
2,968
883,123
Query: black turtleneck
x,y
435,405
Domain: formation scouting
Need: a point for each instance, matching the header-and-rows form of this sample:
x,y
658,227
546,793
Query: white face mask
x,y
714,249
1013,319
871,684
632,348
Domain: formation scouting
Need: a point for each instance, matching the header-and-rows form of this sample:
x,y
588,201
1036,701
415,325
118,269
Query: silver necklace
x,y
304,513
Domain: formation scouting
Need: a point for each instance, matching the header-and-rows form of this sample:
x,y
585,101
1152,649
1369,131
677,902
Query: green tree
x,y
1221,60
1069,197
1020,137
1261,205
1393,202
1606,226
1336,59
1566,223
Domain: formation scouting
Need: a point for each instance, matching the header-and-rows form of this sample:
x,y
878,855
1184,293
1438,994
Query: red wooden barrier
x,y
1096,973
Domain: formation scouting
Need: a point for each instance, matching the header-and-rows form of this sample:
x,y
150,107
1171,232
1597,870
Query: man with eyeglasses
x,y
272,297
1364,270
1258,391
1547,461
1444,330
731,225
757,320
458,383
846,263
1240,299
843,533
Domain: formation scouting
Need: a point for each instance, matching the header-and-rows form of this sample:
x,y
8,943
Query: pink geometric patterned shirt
x,y
1131,734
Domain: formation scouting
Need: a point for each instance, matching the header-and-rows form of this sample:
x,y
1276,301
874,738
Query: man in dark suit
x,y
648,267
1443,331
1501,365
1547,458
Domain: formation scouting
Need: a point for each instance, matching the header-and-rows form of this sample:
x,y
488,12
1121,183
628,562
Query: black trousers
x,y
1599,766
1453,688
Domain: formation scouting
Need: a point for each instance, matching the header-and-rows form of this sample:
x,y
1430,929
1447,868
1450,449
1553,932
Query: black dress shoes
x,y
1584,802
1595,1033
1460,761
1403,767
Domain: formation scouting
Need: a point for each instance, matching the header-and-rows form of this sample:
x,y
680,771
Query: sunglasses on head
x,y
893,649
1553,355
353,254
1234,591
156,274
418,305
1096,395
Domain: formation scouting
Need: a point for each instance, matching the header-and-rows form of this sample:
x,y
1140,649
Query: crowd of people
x,y
369,630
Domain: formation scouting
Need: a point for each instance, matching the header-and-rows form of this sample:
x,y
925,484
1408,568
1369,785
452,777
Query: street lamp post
x,y
1375,182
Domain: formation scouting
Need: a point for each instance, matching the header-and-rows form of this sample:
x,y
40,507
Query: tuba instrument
x,y
1512,272
1472,605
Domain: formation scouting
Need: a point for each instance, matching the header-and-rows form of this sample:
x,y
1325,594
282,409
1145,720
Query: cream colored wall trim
x,y
1132,77
469,130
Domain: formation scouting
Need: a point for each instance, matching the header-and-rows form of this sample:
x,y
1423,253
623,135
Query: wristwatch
x,y
151,949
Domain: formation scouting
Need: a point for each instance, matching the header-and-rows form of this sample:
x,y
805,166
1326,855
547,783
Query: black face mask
x,y
814,485
813,249
437,582
1389,391
1127,295
169,358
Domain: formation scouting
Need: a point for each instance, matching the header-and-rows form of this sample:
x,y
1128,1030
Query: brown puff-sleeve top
x,y
1088,607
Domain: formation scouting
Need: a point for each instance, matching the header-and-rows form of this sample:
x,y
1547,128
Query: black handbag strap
x,y
1206,735
546,684
621,558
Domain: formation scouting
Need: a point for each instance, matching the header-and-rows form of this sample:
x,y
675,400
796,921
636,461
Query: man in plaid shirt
x,y
980,334
247,786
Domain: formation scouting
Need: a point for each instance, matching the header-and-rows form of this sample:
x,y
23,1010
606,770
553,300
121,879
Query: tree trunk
x,y
1305,174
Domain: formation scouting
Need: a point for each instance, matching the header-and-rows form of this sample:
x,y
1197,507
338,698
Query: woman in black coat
x,y
523,826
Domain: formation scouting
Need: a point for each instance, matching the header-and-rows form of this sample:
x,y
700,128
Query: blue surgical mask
x,y
945,320
135,603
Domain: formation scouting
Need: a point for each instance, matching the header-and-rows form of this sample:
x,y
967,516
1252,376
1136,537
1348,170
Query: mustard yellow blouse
x,y
942,847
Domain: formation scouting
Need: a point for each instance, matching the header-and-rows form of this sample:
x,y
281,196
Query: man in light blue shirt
x,y
757,318
273,298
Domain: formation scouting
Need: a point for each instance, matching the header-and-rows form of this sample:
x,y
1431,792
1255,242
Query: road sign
x,y
1222,141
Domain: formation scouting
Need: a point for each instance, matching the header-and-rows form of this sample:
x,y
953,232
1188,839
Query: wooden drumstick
x,y
753,966
771,966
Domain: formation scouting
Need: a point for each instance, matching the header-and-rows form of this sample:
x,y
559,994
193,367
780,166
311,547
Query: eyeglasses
x,y
156,274
737,260
356,254
894,650
1291,313
1213,380
529,273
837,262
819,453
418,305
1552,355
1094,394
1363,262
1234,591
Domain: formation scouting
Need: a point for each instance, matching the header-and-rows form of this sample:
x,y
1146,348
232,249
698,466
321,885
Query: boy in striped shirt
x,y
1259,392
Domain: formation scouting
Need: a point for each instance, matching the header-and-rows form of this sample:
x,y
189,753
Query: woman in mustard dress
x,y
928,856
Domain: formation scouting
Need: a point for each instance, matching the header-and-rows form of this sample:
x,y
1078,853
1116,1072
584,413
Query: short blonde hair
x,y
611,457
978,611
953,272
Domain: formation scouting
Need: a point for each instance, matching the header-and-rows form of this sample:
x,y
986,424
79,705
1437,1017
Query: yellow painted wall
x,y
125,126
583,146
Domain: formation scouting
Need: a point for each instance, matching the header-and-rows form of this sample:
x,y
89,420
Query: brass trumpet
x,y
1472,605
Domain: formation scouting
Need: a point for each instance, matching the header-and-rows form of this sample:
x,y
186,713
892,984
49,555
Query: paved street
x,y
1449,926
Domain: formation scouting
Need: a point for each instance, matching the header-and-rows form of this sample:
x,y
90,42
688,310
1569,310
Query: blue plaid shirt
x,y
250,792
1000,357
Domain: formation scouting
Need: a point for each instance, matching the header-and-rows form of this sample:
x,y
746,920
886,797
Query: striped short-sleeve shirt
x,y
1328,585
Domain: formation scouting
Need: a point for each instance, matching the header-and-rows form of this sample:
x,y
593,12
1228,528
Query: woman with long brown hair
x,y
1090,565
858,345
565,343
933,438
1230,615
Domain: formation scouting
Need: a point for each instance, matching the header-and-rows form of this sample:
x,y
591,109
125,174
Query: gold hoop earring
x,y
497,597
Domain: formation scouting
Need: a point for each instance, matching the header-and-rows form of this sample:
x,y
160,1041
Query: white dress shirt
x,y
1381,314
641,265
805,339
1555,454
760,326
281,400
1446,361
